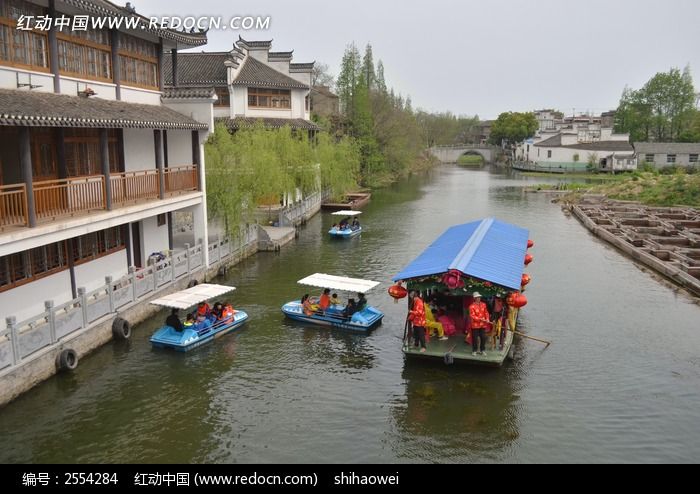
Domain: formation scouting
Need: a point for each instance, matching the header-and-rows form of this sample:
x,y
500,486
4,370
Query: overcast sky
x,y
479,57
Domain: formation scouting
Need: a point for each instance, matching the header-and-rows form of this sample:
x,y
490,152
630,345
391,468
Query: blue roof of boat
x,y
488,249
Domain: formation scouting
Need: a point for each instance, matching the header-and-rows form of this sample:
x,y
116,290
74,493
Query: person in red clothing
x,y
417,317
479,315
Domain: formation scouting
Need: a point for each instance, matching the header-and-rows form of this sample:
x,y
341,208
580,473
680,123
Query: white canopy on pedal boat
x,y
192,296
339,283
347,213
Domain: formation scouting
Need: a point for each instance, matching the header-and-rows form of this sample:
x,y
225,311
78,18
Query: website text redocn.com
x,y
187,23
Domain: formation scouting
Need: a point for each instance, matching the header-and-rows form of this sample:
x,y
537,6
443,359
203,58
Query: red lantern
x,y
510,298
517,300
397,291
453,279
530,244
525,280
528,259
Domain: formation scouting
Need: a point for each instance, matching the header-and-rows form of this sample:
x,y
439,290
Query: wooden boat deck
x,y
354,201
461,351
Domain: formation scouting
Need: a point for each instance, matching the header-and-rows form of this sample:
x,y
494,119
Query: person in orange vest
x,y
325,301
228,312
480,318
417,317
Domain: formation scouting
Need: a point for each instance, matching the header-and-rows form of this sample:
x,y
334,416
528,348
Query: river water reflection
x,y
621,381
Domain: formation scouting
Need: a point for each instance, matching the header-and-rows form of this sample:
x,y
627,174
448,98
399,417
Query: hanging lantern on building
x,y
528,259
525,280
397,291
530,244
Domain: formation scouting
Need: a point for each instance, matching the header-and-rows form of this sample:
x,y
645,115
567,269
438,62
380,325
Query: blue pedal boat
x,y
337,231
363,321
198,335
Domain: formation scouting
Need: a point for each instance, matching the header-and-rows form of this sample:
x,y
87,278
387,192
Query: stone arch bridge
x,y
450,154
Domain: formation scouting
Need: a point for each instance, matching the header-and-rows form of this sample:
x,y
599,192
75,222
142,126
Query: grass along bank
x,y
677,188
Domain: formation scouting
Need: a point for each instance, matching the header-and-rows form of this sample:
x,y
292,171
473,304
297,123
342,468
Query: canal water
x,y
620,383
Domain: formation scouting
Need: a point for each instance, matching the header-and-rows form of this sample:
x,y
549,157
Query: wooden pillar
x,y
53,49
116,65
161,79
104,156
158,140
173,54
197,158
71,266
60,139
25,159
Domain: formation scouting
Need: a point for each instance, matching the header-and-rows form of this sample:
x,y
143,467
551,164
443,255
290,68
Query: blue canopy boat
x,y
347,231
484,256
364,320
200,333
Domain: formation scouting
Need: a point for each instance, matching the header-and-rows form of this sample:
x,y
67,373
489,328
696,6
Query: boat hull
x,y
189,339
364,321
344,234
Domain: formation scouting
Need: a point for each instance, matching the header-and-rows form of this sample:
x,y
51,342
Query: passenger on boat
x,y
417,317
324,301
203,322
189,322
480,320
334,299
228,312
355,223
218,311
350,309
203,309
361,302
344,223
432,324
173,320
306,305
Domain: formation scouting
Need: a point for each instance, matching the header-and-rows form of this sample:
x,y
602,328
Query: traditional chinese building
x,y
94,156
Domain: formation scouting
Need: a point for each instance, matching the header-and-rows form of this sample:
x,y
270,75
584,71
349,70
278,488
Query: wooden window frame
x,y
84,45
12,25
223,91
258,92
138,58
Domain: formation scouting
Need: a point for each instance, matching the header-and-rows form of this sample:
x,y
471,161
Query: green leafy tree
x,y
511,128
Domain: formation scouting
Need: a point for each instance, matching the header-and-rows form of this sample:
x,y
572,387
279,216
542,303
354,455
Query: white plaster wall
x,y
258,54
9,77
282,67
103,90
153,237
199,110
139,150
179,147
303,77
28,300
239,101
136,95
91,275
222,112
269,113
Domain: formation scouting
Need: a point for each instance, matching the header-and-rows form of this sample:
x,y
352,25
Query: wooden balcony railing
x,y
13,205
69,196
64,197
135,186
181,179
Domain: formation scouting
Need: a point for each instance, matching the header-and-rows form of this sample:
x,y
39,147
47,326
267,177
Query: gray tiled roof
x,y
667,147
256,73
301,66
555,142
273,123
254,44
34,109
106,8
188,92
197,69
280,54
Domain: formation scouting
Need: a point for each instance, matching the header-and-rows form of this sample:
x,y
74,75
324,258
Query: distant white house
x,y
576,149
662,154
